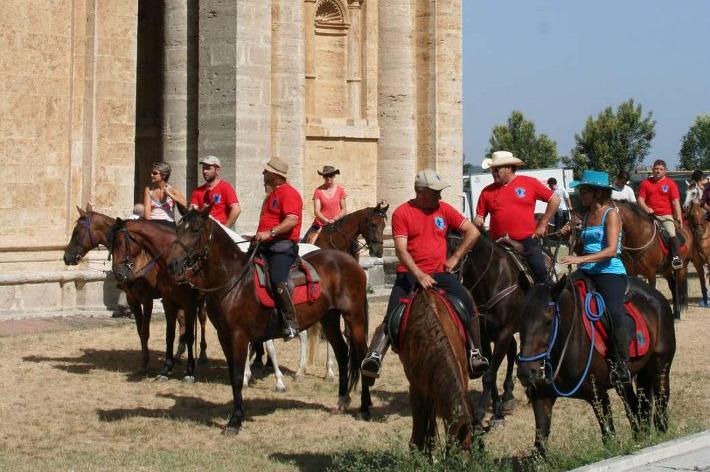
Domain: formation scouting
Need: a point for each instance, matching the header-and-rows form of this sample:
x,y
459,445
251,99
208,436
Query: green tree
x,y
695,150
613,141
518,136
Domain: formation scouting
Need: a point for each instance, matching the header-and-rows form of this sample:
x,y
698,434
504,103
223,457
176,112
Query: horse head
x,y
696,219
125,252
693,194
89,231
189,253
538,332
373,228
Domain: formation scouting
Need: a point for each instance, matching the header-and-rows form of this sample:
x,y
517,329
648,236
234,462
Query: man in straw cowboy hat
x,y
279,231
510,200
419,229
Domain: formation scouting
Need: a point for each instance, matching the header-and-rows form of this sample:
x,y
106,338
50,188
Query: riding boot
x,y
477,363
676,262
619,358
372,363
283,300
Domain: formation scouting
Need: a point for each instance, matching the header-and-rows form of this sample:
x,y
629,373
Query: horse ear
x,y
559,287
89,207
383,206
82,213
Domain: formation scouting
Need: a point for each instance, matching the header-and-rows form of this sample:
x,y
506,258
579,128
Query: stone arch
x,y
330,13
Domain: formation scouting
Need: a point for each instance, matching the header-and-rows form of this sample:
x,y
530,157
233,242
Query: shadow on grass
x,y
203,411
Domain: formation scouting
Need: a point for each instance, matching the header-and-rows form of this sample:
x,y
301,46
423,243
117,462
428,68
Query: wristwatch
x,y
272,233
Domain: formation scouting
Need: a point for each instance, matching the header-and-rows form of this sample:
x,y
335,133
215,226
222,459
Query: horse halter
x,y
127,262
546,356
193,261
86,224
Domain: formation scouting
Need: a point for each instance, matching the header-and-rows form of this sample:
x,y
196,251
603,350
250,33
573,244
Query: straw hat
x,y
328,170
277,166
501,158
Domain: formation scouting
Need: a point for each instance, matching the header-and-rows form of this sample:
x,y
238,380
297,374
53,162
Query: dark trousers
x,y
612,287
280,256
405,283
536,260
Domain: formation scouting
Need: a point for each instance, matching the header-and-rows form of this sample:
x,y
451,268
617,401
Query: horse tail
x,y
354,360
315,333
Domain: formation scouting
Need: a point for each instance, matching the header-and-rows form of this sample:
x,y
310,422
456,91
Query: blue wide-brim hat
x,y
593,178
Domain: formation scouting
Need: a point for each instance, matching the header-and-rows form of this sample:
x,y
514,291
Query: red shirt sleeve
x,y
342,193
542,192
675,194
230,196
291,204
454,219
316,194
399,224
643,190
481,207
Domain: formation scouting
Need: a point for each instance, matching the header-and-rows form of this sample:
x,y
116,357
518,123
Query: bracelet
x,y
272,233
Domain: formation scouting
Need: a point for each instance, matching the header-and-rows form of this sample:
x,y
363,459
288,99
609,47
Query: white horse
x,y
693,193
303,249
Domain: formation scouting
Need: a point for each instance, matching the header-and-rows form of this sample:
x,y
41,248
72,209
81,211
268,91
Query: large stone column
x,y
397,147
288,86
355,62
309,15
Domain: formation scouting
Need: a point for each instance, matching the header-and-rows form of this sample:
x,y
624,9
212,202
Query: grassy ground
x,y
69,401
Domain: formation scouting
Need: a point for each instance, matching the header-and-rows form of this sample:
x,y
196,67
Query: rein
x,y
358,246
546,356
650,241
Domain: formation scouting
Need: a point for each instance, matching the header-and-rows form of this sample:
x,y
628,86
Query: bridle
x,y
127,262
370,238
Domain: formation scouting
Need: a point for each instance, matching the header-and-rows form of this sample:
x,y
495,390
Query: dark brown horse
x,y
643,255
343,234
563,365
93,229
206,257
700,229
433,354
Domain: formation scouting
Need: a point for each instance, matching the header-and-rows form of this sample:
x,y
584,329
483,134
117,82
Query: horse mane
x,y
537,295
635,209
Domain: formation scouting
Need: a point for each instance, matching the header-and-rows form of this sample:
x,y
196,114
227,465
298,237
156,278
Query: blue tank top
x,y
593,241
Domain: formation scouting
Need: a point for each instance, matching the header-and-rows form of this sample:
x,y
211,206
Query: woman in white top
x,y
160,197
620,191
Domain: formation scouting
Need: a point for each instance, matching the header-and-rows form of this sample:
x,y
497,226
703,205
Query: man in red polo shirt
x,y
659,196
216,192
279,231
419,229
510,200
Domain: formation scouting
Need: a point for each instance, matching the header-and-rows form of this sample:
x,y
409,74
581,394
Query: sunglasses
x,y
155,172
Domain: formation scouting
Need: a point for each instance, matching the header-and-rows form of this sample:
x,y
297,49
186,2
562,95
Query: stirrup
x,y
619,373
374,359
676,263
477,364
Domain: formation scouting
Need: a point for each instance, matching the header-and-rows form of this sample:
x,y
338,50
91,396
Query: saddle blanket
x,y
303,278
398,320
639,344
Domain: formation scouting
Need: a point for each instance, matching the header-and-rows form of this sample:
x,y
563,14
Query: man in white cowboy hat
x,y
279,231
510,200
216,192
419,229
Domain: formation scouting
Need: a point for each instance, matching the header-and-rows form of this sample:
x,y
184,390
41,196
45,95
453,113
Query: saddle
x,y
396,327
517,253
639,343
303,282
666,238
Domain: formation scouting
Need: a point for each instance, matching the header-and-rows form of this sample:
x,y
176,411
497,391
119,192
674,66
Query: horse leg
x,y
661,393
542,408
331,327
329,374
202,360
499,353
602,411
181,338
631,404
303,351
190,342
356,333
271,350
509,382
258,351
170,318
645,394
420,419
137,310
236,362
247,368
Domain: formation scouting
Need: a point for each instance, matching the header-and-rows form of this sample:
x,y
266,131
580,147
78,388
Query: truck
x,y
473,184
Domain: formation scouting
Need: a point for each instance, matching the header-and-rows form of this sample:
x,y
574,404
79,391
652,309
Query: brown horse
x,y
343,234
433,354
700,229
556,360
93,229
206,257
643,255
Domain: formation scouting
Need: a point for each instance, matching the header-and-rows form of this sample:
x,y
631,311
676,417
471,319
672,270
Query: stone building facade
x,y
93,91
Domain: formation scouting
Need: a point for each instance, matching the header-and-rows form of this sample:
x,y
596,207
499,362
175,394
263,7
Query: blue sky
x,y
560,61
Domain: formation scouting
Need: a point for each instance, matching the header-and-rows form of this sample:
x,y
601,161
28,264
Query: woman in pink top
x,y
328,203
160,197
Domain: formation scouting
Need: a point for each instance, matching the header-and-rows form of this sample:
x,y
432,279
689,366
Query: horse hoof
x,y
509,405
280,388
189,379
161,378
330,378
202,360
230,430
298,376
364,416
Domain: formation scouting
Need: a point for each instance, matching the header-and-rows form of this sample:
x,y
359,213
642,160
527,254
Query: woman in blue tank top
x,y
601,261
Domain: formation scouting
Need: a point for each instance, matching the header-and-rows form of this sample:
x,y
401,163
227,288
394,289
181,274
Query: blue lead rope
x,y
547,357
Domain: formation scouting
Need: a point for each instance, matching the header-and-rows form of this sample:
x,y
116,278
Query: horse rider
x,y
159,197
328,203
601,262
510,200
216,192
419,229
278,232
659,196
562,214
620,190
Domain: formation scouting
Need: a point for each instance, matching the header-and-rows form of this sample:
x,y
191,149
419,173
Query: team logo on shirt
x,y
274,203
439,222
217,198
664,188
520,192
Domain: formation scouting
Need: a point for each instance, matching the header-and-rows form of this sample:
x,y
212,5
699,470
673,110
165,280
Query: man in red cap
x,y
279,231
419,229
